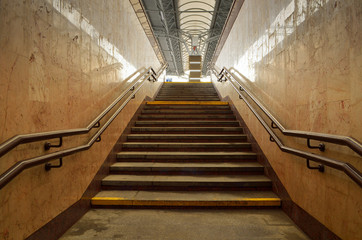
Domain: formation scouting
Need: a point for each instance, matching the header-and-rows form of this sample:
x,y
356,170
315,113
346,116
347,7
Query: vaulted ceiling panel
x,y
184,27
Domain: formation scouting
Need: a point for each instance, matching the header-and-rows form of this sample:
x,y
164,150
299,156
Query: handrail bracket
x,y
98,124
273,125
321,146
320,167
49,166
48,145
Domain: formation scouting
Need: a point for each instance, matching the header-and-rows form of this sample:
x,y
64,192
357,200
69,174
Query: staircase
x,y
186,150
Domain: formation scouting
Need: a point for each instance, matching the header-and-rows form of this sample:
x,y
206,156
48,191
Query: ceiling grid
x,y
186,27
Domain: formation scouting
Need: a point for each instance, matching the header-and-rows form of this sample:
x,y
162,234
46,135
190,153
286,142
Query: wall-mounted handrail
x,y
18,167
347,168
352,143
33,137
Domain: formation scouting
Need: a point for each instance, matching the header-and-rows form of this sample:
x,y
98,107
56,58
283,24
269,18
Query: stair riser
x,y
200,130
181,186
187,204
191,95
187,170
181,111
176,140
187,138
187,160
170,124
175,91
175,107
184,159
187,99
184,115
188,117
187,132
192,88
188,95
186,149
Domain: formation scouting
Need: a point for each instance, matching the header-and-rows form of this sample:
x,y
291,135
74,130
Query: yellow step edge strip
x,y
187,103
247,202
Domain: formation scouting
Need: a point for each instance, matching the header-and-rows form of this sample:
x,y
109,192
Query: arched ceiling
x,y
176,22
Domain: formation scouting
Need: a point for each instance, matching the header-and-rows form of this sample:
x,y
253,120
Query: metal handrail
x,y
347,168
17,168
33,137
352,143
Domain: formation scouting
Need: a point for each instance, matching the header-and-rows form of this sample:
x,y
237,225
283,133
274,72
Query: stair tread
x,y
208,103
185,122
191,127
187,195
189,135
186,178
179,114
187,165
165,129
156,111
173,144
192,136
187,153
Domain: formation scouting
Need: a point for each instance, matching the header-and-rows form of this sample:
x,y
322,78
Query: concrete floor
x,y
184,224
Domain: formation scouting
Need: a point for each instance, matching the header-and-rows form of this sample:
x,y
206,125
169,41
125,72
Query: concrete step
x,y
185,156
182,90
190,90
187,90
186,199
165,146
188,103
188,117
206,86
187,129
188,137
186,168
191,94
205,90
187,123
176,107
186,99
185,181
188,86
183,111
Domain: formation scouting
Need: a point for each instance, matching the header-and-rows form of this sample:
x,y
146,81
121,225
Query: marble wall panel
x,y
61,63
302,60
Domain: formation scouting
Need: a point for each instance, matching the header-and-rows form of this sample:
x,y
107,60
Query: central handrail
x,y
347,168
18,167
352,143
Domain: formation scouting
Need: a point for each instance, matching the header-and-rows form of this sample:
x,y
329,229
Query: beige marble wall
x,y
61,63
303,60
